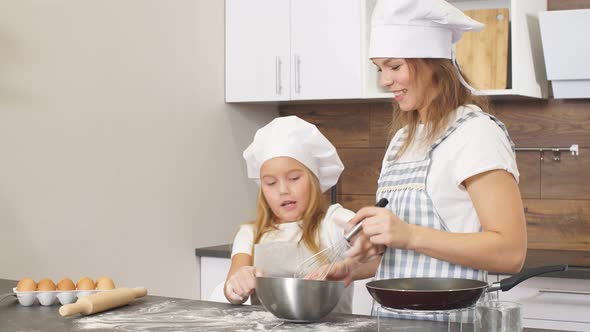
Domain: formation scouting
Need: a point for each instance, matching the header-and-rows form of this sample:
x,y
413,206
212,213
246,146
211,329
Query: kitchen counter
x,y
155,313
535,257
221,251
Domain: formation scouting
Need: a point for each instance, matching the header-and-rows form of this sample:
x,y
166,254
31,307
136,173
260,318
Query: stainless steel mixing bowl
x,y
298,300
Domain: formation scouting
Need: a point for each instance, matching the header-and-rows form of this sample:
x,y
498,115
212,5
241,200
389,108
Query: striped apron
x,y
404,185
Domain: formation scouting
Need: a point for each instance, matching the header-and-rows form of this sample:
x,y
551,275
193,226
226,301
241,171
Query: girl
x,y
449,172
293,164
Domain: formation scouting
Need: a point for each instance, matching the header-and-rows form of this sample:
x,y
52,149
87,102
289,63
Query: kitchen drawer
x,y
555,303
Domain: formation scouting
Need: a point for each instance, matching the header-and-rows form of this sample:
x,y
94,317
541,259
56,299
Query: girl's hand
x,y
349,270
341,271
381,228
240,285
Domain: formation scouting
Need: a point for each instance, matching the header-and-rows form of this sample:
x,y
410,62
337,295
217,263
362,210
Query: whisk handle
x,y
382,203
358,227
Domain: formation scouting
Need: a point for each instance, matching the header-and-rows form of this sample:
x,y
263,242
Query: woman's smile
x,y
400,94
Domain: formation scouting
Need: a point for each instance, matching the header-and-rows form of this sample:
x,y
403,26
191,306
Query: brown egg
x,y
85,283
66,284
45,284
105,283
26,285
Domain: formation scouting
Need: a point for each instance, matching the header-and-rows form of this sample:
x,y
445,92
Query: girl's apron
x,y
404,185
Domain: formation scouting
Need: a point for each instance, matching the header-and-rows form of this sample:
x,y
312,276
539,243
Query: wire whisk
x,y
318,266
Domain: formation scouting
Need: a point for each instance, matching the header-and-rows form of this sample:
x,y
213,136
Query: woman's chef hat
x,y
417,29
293,137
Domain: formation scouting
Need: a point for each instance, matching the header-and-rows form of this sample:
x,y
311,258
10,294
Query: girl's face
x,y
394,75
286,186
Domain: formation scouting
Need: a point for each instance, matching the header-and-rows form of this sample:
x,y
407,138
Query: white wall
x,y
118,155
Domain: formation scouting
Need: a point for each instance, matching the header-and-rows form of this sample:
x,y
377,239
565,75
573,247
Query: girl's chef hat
x,y
293,137
417,29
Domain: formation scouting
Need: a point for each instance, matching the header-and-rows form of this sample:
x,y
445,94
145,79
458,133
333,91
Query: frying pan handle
x,y
508,283
357,228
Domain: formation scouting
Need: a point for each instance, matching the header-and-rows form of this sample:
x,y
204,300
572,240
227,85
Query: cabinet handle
x,y
561,291
278,64
297,61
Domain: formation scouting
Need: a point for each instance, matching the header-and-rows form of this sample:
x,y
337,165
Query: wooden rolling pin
x,y
102,301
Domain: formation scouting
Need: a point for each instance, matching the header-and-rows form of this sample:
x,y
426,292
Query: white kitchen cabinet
x,y
552,303
213,272
279,50
257,50
283,50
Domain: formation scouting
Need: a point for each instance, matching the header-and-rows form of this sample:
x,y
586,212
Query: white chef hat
x,y
293,137
417,29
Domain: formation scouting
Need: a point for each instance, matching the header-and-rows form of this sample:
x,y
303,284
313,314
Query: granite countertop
x,y
155,313
535,257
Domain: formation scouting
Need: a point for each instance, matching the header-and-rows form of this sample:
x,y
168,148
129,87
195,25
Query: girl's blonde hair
x,y
311,219
444,93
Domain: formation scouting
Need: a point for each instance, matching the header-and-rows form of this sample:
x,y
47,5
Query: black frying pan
x,y
443,293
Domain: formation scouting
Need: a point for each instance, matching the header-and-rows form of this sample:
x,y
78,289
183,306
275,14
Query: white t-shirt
x,y
330,231
476,146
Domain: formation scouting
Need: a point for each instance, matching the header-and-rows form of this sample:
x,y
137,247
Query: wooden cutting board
x,y
483,56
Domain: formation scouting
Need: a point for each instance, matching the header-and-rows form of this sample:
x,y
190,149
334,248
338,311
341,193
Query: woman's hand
x,y
241,284
381,228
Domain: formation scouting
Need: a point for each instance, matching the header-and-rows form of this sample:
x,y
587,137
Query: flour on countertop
x,y
171,315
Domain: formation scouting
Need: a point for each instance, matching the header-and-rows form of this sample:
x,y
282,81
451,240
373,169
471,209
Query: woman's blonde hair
x,y
316,209
444,93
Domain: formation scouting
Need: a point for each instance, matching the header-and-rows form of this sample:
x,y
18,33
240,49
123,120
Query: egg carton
x,y
48,298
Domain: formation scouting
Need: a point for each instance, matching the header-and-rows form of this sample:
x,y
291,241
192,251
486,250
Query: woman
x,y
449,172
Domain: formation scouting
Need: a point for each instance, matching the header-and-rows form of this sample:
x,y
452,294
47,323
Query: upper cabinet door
x,y
256,50
326,49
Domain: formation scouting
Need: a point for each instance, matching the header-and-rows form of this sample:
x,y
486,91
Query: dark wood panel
x,y
328,197
558,224
345,125
529,166
361,171
554,123
568,178
381,116
531,123
538,257
356,202
567,4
